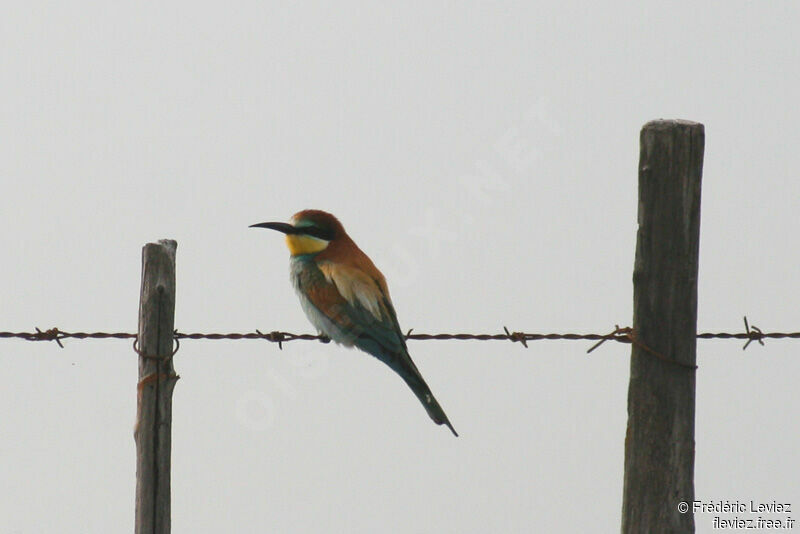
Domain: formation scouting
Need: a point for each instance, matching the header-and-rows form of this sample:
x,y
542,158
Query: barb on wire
x,y
54,334
751,333
51,334
755,334
516,336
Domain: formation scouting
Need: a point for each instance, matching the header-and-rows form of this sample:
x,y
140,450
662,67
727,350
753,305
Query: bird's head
x,y
308,231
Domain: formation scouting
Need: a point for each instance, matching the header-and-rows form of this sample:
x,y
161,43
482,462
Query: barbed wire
x,y
619,334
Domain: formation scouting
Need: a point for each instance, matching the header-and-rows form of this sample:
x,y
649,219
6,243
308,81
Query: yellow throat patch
x,y
304,244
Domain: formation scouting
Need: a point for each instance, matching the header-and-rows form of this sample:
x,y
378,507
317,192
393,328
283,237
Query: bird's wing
x,y
357,307
356,287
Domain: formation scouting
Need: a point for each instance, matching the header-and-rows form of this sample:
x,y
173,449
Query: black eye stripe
x,y
319,233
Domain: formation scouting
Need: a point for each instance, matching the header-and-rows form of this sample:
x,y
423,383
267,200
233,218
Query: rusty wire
x,y
619,334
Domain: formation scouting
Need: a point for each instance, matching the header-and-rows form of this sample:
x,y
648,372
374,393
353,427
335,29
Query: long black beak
x,y
279,226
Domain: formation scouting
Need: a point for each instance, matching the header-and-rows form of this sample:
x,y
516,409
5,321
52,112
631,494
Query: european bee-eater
x,y
346,298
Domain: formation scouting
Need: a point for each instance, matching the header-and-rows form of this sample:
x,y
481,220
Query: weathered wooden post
x,y
659,443
156,381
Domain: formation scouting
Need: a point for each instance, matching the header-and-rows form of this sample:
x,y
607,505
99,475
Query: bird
x,y
345,297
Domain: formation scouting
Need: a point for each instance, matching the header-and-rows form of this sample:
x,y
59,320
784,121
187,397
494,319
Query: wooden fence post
x,y
154,391
659,443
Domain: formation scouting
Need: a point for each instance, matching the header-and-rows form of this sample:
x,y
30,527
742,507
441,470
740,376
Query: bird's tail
x,y
423,393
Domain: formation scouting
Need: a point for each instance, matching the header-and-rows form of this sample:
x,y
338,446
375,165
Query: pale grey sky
x,y
485,158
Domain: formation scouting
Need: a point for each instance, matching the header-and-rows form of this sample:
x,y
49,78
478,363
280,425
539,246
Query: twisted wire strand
x,y
619,334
